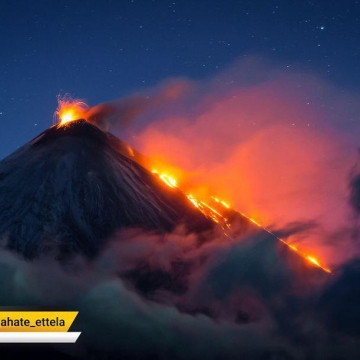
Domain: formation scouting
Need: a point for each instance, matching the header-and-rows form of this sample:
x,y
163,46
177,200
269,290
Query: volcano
x,y
72,187
75,187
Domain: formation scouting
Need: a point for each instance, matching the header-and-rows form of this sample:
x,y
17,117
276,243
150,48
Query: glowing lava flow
x,y
206,209
69,110
217,217
309,258
168,180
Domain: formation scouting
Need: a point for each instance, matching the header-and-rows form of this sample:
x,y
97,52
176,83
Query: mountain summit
x,y
72,187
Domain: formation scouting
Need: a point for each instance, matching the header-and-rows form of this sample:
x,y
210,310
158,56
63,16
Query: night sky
x,y
104,50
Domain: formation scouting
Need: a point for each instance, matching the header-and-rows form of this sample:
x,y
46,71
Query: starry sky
x,y
104,50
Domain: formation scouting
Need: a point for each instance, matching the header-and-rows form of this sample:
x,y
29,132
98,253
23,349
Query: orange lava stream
x,y
217,217
308,257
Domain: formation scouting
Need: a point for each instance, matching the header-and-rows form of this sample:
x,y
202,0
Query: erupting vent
x,y
69,110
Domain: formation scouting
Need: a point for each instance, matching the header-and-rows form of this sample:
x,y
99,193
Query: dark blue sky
x,y
103,50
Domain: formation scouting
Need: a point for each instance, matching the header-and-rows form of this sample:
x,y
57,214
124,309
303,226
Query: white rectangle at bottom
x,y
39,337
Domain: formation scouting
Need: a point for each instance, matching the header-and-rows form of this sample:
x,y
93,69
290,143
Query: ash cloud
x,y
122,112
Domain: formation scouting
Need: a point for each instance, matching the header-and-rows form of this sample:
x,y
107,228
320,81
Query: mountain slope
x,y
72,187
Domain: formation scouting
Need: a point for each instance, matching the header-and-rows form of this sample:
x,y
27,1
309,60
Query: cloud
x,y
250,298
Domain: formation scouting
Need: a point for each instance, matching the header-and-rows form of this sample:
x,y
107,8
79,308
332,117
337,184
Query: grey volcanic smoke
x,y
123,112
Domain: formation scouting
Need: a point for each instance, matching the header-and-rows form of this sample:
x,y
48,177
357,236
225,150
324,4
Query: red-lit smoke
x,y
279,147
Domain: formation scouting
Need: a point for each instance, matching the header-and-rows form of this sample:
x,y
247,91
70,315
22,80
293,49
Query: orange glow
x,y
69,110
293,247
193,200
316,262
170,181
167,179
216,216
222,202
254,221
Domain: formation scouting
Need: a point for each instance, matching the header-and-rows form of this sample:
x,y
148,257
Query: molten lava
x,y
169,180
69,110
216,216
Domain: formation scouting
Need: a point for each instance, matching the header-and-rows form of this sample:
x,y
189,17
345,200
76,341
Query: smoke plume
x,y
277,144
121,113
